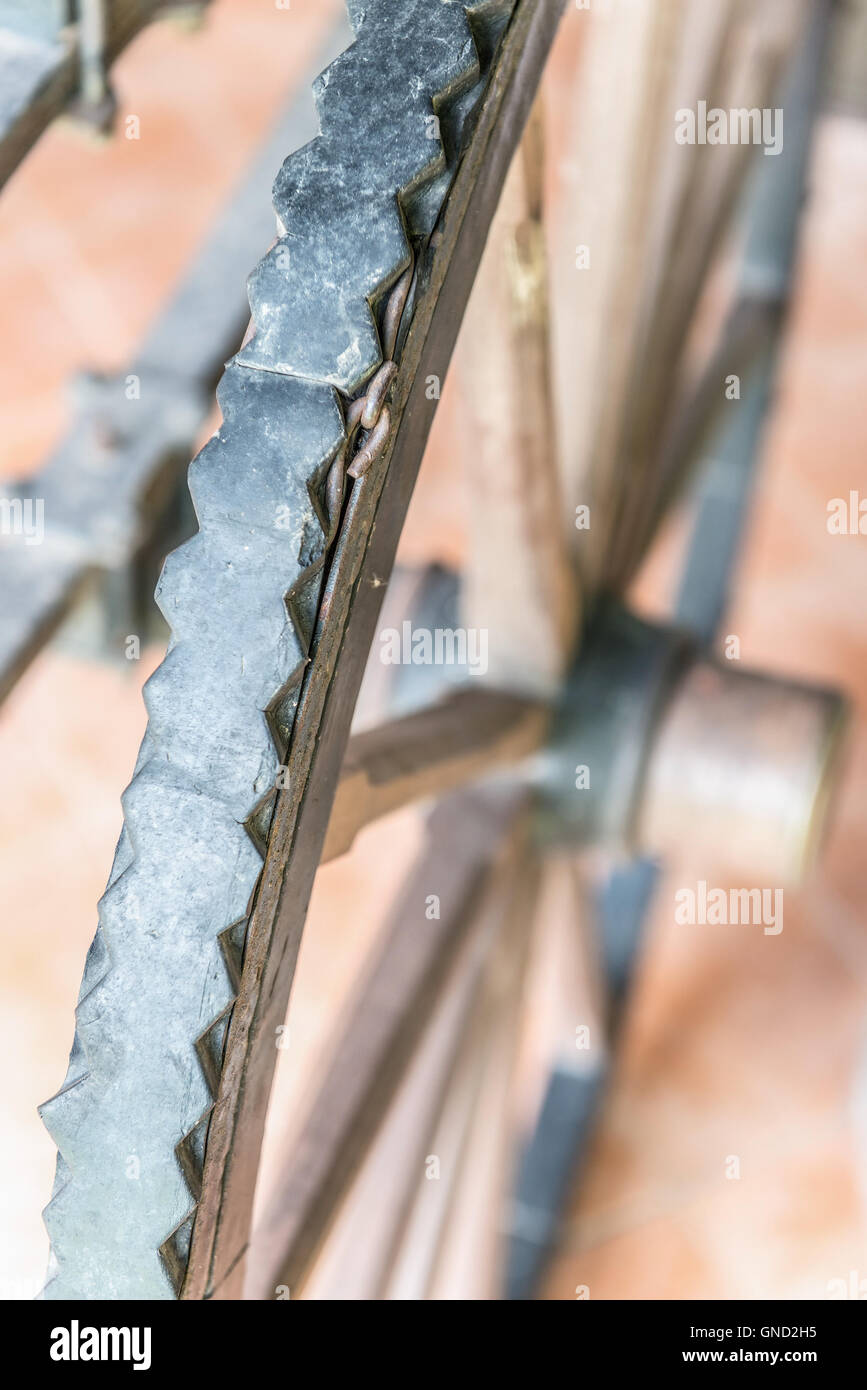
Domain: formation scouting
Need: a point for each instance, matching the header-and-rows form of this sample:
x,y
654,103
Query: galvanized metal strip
x,y
133,429
243,598
363,557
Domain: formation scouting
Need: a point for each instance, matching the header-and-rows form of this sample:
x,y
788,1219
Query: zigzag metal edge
x,y
191,772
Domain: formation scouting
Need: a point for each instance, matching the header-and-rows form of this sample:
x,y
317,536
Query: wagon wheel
x,y
244,782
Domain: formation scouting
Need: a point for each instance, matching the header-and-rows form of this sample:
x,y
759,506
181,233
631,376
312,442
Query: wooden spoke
x,y
469,735
469,1257
357,1254
518,584
470,839
746,73
599,242
451,1247
564,1063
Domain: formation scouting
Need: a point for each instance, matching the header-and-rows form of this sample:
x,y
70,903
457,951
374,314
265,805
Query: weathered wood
x,y
518,583
698,66
609,138
566,987
382,1029
472,1141
468,736
358,1256
357,1253
469,1255
650,214
427,1217
363,556
748,331
563,1061
745,73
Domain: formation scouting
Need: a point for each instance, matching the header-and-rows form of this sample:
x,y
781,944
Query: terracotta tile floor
x,y
736,1044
